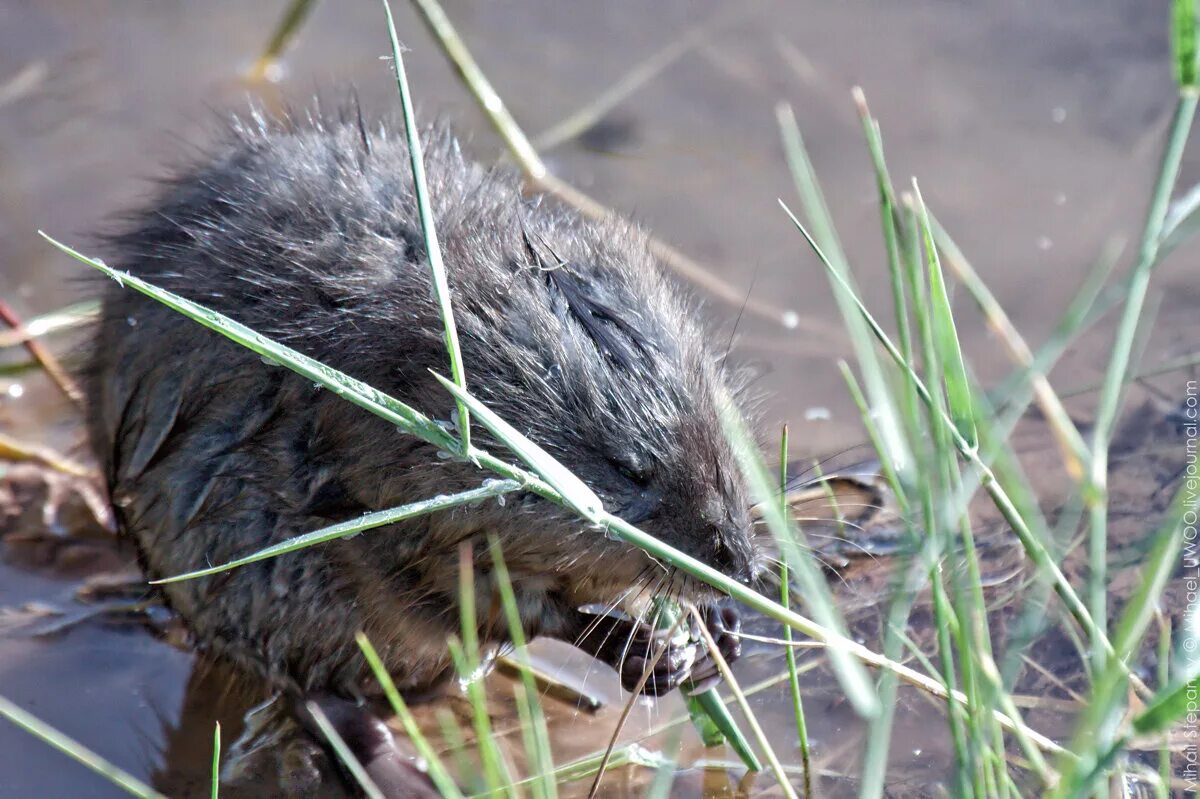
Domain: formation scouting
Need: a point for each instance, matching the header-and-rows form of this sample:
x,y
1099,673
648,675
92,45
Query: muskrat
x,y
306,230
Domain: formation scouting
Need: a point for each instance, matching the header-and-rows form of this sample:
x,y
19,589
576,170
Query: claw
x,y
614,638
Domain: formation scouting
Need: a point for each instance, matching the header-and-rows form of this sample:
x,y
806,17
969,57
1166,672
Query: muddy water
x,y
1034,131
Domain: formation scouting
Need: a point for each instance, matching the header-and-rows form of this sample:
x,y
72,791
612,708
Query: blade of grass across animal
x,y
437,772
353,527
361,394
571,488
216,761
429,229
958,391
850,673
808,187
357,772
76,751
785,593
433,248
538,744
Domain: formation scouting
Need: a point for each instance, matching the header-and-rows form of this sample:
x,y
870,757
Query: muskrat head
x,y
613,376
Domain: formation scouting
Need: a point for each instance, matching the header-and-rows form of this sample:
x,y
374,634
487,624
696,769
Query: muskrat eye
x,y
632,469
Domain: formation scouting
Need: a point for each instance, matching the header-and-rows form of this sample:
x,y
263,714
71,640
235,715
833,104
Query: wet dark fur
x,y
307,232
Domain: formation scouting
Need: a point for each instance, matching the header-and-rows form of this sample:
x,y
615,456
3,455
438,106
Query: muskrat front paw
x,y
631,646
724,623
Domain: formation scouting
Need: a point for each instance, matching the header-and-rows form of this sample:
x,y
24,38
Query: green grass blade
x,y
216,761
437,771
570,487
1168,707
285,32
1108,405
357,772
538,746
785,594
808,187
433,249
710,702
1003,503
356,391
851,675
76,751
1183,43
357,525
958,390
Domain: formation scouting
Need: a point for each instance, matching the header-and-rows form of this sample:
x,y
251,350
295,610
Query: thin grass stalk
x,y
357,772
285,33
895,248
216,761
809,189
963,727
539,176
543,761
456,745
433,249
1074,450
437,772
76,751
466,656
1108,406
359,524
785,591
764,742
954,370
851,675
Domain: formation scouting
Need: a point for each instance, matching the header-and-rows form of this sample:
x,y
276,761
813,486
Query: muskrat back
x,y
307,232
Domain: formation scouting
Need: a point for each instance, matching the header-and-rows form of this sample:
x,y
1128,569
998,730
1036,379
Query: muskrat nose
x,y
734,556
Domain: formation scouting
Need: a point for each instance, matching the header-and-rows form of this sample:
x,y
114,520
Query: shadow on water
x,y
1033,129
